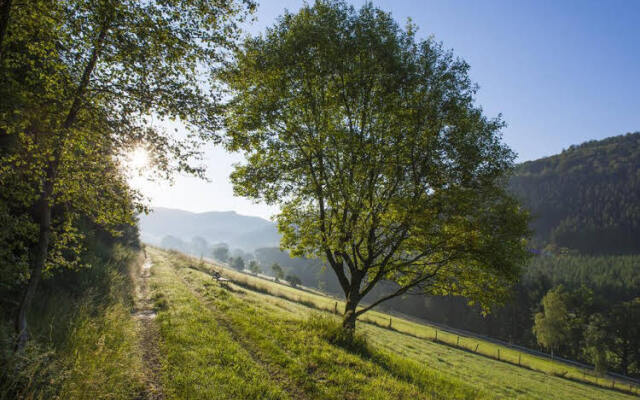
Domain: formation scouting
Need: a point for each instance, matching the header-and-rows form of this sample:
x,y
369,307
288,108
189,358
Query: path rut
x,y
149,335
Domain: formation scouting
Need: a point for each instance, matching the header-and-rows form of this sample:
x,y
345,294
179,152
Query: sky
x,y
559,72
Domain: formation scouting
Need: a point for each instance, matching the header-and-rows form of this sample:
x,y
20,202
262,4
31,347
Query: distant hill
x,y
586,198
238,231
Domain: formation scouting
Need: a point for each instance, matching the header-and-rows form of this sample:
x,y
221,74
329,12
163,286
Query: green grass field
x,y
252,338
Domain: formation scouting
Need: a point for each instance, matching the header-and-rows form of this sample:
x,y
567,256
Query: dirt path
x,y
149,334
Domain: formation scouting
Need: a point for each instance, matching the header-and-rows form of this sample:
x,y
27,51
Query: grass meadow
x,y
253,338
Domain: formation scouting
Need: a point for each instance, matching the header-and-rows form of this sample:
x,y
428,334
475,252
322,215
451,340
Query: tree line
x,y
586,198
82,83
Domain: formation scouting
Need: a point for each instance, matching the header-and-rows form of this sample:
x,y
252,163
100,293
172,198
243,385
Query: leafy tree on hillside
x,y
278,272
237,263
254,267
221,253
596,340
293,280
551,325
382,165
80,82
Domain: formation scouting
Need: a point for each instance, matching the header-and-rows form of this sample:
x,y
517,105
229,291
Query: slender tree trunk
x,y
353,297
41,253
5,10
349,319
350,316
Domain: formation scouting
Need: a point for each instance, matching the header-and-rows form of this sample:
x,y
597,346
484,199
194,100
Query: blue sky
x,y
560,72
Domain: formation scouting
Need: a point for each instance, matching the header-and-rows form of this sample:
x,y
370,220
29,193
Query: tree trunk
x,y
39,261
349,319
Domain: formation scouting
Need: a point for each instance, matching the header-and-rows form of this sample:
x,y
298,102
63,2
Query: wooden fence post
x,y
476,350
436,335
458,341
519,358
498,354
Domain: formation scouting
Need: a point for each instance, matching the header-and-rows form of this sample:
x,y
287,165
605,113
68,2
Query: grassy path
x,y
257,355
423,331
481,363
202,359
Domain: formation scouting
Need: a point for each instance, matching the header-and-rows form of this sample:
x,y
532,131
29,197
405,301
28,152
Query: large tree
x,y
84,81
370,142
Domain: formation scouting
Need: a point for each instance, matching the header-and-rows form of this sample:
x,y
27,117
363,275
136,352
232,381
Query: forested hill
x,y
586,198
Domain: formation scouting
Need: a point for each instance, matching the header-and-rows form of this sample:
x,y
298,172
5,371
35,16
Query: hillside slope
x,y
252,338
586,198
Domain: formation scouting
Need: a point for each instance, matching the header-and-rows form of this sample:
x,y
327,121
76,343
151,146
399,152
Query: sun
x,y
138,159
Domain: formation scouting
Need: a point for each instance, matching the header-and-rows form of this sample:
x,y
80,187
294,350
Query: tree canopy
x,y
371,143
82,82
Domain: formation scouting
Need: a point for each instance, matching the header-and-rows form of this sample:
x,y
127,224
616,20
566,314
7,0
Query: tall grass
x,y
84,341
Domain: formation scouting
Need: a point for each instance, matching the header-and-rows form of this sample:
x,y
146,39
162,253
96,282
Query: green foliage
x,y
371,144
254,267
587,197
237,263
293,280
623,327
613,277
278,272
221,253
81,84
551,325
